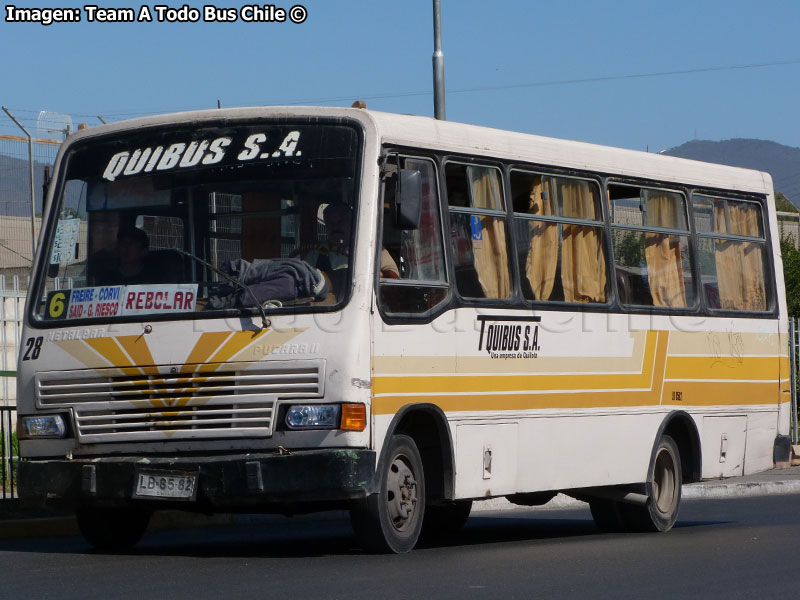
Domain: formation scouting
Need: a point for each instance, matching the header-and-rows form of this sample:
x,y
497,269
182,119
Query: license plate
x,y
169,485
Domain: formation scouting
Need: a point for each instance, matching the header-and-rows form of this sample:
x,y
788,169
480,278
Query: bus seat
x,y
166,266
467,282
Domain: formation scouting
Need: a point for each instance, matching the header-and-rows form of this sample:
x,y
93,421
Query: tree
x,y
783,204
791,274
629,248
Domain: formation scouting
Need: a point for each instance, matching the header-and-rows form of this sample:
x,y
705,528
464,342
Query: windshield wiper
x,y
265,322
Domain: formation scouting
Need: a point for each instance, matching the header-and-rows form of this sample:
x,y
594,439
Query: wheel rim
x,y
664,485
401,493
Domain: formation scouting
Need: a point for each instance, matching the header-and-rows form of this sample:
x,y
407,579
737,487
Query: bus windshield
x,y
210,220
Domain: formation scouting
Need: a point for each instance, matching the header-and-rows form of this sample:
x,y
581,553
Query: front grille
x,y
213,419
229,403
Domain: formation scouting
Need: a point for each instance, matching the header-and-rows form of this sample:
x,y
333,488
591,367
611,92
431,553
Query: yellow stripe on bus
x,y
654,352
204,347
112,352
480,393
236,343
137,348
694,394
711,367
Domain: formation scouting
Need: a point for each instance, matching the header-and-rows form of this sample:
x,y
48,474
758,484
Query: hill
x,y
782,162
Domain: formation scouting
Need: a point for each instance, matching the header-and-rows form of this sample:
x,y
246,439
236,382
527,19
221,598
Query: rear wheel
x,y
112,530
663,490
391,520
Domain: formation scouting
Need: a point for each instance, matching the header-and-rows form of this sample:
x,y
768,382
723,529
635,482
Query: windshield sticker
x,y
80,303
120,300
66,241
204,152
159,299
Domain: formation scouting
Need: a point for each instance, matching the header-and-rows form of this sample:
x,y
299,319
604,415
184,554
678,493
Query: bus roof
x,y
449,136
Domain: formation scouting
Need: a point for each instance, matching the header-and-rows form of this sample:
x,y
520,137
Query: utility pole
x,y
438,62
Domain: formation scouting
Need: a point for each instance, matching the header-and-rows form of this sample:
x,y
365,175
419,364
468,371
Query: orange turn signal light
x,y
354,417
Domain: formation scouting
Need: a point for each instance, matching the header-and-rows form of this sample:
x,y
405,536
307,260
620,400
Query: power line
x,y
15,252
487,88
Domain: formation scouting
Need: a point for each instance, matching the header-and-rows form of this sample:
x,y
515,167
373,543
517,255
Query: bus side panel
x,y
563,452
560,400
726,373
535,401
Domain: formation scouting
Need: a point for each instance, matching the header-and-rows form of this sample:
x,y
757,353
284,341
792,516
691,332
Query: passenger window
x,y
478,231
732,253
413,278
652,262
559,238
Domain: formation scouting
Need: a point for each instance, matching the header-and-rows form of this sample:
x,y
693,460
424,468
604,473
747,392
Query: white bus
x,y
297,309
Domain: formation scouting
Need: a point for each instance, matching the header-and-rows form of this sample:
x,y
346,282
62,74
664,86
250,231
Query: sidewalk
x,y
17,522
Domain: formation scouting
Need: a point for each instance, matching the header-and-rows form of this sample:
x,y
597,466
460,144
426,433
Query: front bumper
x,y
303,480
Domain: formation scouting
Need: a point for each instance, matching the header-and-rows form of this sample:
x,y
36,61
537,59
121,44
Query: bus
x,y
285,310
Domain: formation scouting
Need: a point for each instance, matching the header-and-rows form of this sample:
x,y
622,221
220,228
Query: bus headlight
x,y
312,416
41,426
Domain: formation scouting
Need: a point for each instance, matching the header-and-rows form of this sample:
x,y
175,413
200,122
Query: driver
x,y
133,247
334,257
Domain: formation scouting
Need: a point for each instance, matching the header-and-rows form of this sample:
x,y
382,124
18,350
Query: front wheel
x,y
664,491
391,520
112,530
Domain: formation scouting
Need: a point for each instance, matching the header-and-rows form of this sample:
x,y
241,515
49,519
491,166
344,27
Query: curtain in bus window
x,y
663,252
752,260
542,261
484,185
488,235
583,264
740,265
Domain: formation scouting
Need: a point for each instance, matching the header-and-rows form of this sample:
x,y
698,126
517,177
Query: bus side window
x,y
732,253
412,272
559,238
650,235
478,231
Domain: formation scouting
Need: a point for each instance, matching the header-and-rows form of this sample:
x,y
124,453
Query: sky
x,y
635,74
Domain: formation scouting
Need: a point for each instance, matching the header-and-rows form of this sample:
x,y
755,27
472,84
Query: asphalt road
x,y
730,548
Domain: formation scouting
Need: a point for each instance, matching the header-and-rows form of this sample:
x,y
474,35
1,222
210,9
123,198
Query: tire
x,y
663,490
391,520
112,530
445,519
607,515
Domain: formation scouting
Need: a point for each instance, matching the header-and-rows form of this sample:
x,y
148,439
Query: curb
x,y
739,490
693,490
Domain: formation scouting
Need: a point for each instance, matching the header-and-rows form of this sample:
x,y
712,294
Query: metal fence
x,y
17,236
789,226
12,303
794,359
9,452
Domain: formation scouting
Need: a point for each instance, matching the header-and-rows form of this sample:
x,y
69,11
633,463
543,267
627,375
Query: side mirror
x,y
408,199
